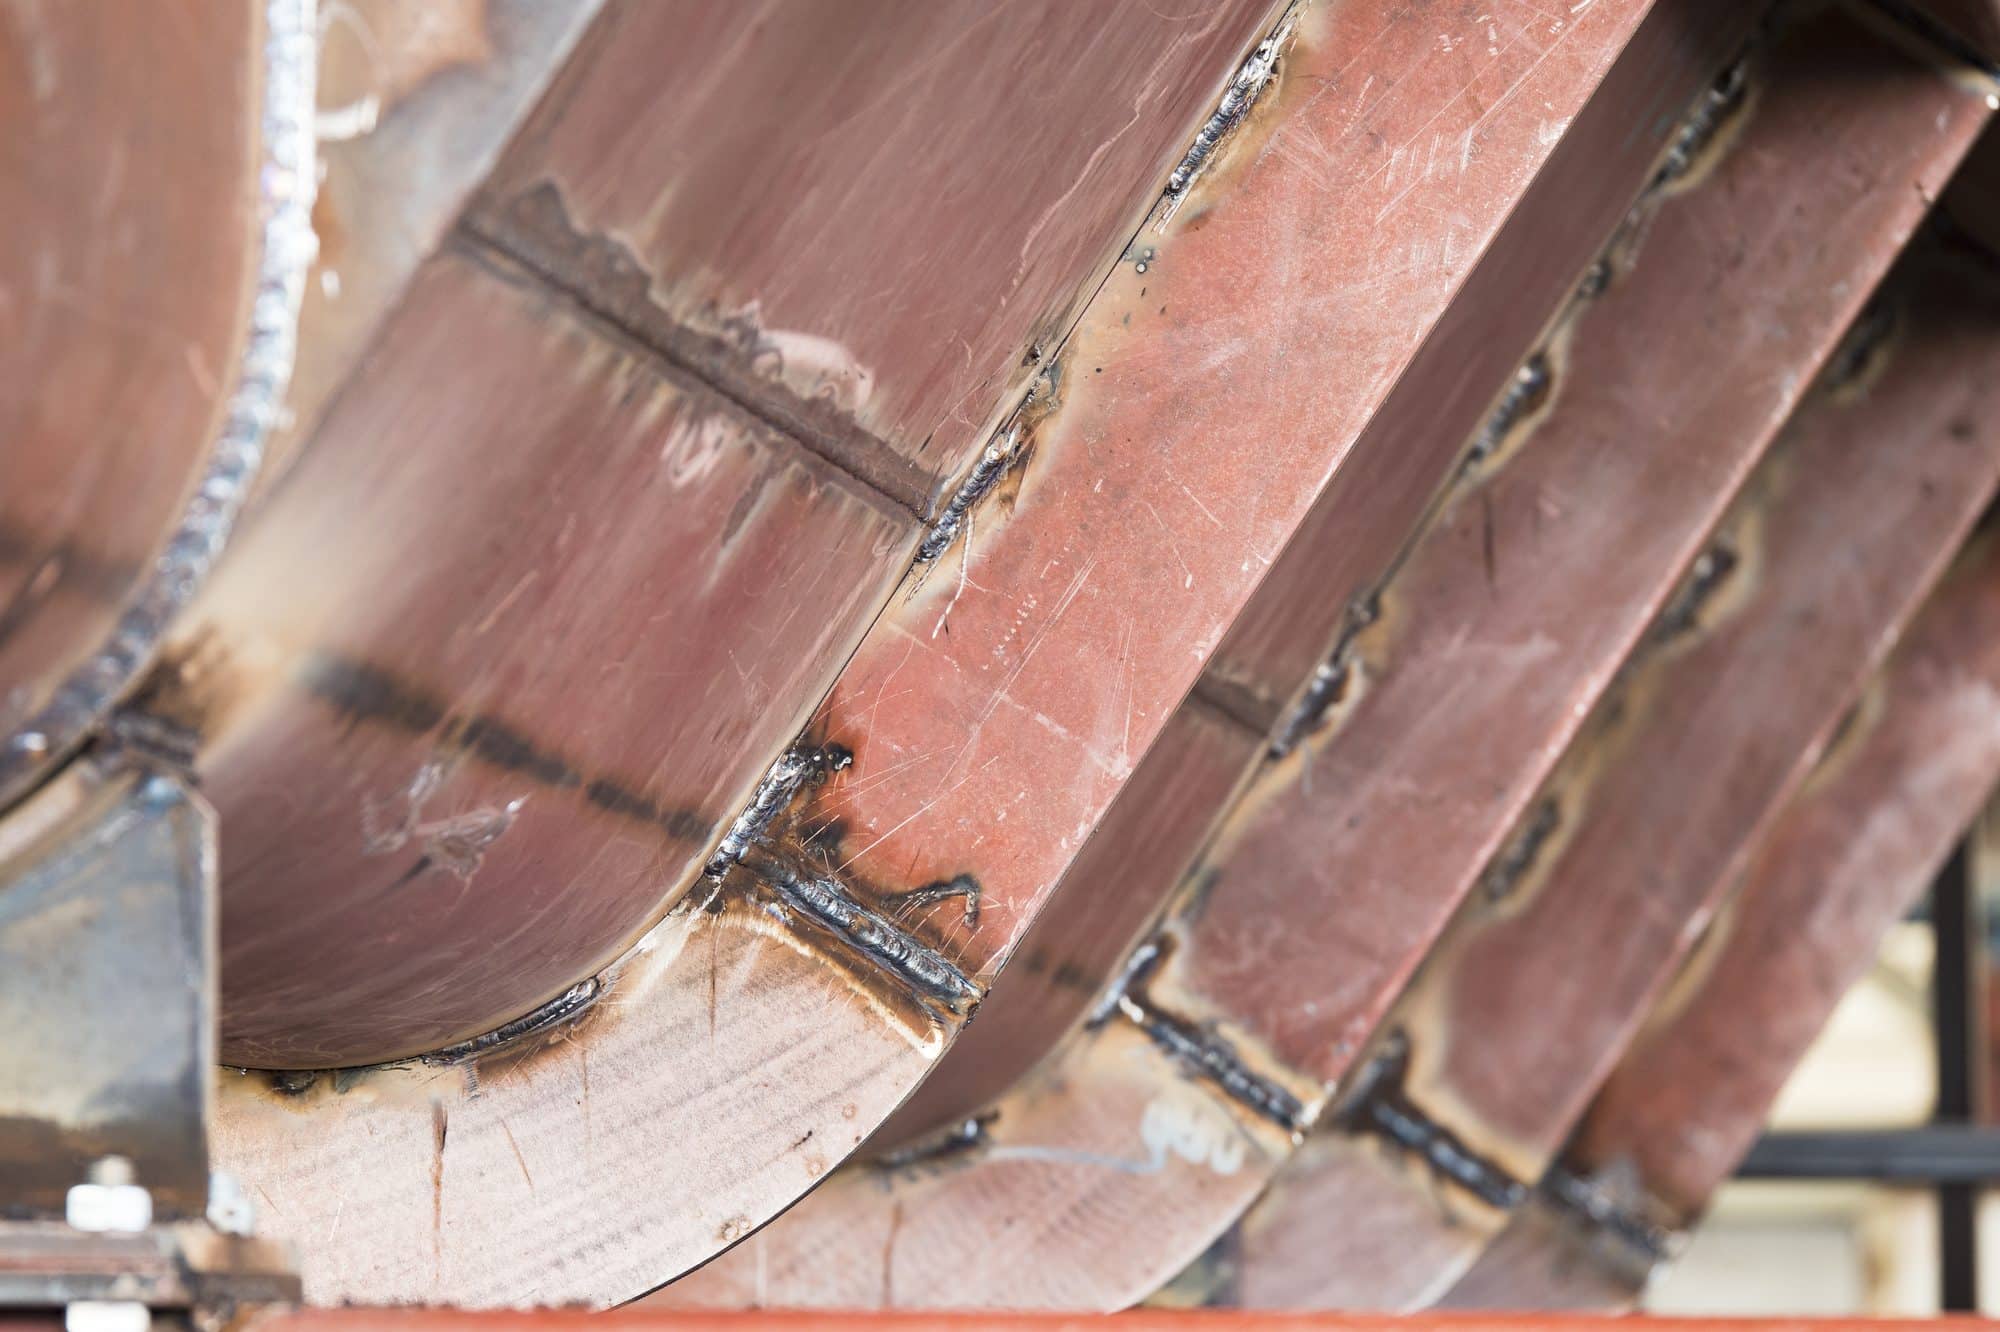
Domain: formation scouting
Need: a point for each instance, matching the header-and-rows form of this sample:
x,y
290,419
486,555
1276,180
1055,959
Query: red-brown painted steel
x,y
522,672
1846,858
864,215
1508,618
448,761
1652,814
1355,528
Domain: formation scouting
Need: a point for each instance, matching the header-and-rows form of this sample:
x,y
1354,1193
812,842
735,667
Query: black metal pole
x,y
1956,1003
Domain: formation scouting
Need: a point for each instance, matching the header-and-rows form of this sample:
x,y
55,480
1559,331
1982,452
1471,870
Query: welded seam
x,y
1528,392
287,181
1237,100
1377,1105
823,900
1195,1049
859,463
1217,1061
1640,1242
796,768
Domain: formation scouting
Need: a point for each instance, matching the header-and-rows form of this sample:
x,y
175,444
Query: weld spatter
x,y
962,886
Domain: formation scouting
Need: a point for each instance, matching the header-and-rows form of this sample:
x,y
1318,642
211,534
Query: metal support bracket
x,y
108,996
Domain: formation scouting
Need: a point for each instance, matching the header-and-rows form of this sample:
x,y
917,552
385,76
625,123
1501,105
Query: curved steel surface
x,y
159,176
589,530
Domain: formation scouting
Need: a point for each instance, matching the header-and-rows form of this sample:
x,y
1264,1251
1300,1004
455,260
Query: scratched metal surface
x,y
1734,1067
1030,648
1354,528
1841,535
713,699
398,740
1045,1154
1851,851
1652,813
862,216
1507,619
1347,544
1092,921
115,363
300,658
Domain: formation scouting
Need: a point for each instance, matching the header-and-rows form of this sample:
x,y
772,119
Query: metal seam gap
x,y
827,903
1943,39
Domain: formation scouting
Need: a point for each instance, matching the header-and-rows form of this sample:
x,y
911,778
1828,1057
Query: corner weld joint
x,y
1641,1241
825,902
1379,1106
796,768
1237,99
